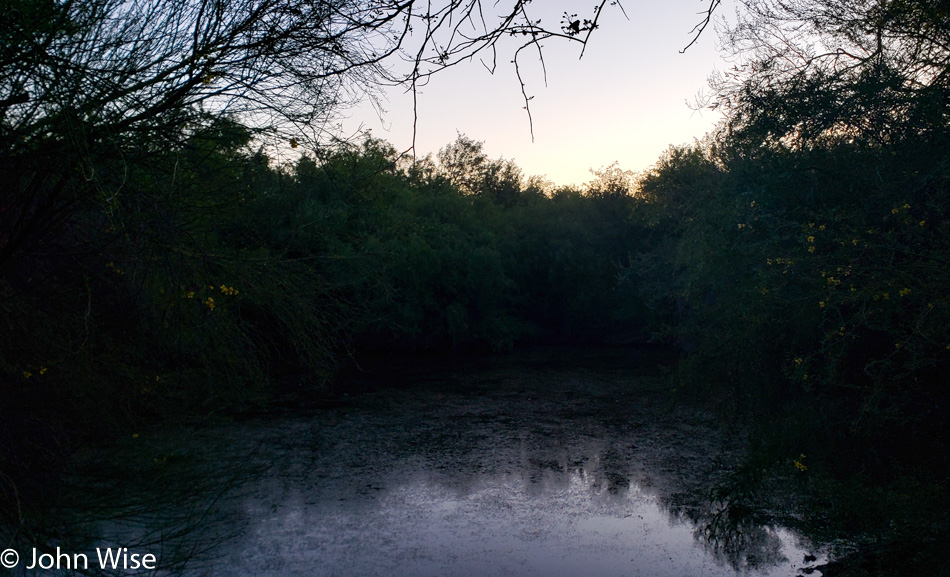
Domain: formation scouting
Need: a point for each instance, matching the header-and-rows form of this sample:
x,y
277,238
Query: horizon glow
x,y
625,102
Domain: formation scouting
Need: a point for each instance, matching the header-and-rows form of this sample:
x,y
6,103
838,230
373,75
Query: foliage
x,y
215,280
153,265
800,253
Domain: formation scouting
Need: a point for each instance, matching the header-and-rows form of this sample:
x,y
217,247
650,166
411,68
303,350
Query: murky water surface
x,y
525,469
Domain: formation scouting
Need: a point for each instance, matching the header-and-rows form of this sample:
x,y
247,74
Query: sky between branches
x,y
625,101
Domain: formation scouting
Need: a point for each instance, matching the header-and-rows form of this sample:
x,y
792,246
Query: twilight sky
x,y
625,101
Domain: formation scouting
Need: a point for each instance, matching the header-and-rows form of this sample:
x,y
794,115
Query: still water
x,y
525,468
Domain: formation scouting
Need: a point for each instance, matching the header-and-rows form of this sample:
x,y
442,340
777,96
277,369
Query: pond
x,y
552,464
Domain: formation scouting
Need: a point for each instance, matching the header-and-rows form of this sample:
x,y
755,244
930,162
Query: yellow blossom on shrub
x,y
209,302
800,463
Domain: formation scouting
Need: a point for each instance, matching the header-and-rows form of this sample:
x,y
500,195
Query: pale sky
x,y
624,102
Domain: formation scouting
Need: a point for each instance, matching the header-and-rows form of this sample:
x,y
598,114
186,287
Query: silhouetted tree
x,y
84,83
820,72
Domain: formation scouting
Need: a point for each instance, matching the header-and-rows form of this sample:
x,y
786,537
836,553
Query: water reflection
x,y
469,485
553,512
554,474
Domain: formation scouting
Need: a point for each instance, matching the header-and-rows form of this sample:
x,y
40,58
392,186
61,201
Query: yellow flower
x,y
43,370
800,463
811,249
906,206
27,374
811,238
922,223
798,360
822,227
821,304
904,292
895,210
209,302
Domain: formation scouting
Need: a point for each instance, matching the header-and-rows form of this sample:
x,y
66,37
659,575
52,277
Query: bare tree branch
x,y
698,30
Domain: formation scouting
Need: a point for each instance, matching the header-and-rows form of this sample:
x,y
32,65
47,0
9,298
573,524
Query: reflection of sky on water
x,y
537,471
421,529
522,494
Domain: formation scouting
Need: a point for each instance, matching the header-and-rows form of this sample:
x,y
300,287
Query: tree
x,y
87,87
837,71
812,251
467,168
